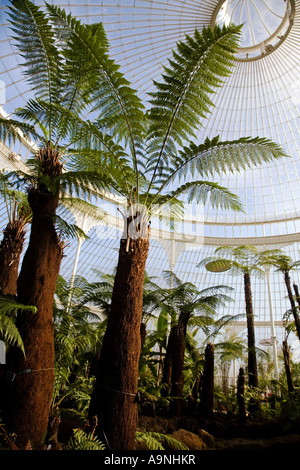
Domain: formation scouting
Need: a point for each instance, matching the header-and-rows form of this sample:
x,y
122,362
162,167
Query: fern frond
x,y
215,157
84,441
118,105
78,205
202,191
158,441
66,230
183,98
36,42
81,183
93,148
9,305
9,333
12,130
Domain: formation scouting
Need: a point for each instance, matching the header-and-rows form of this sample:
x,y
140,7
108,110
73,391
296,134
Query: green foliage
x,y
85,109
78,336
35,41
9,333
141,155
12,130
188,305
236,260
158,441
84,441
179,102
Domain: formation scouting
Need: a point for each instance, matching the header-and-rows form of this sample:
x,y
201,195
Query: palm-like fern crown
x,y
184,300
243,259
84,106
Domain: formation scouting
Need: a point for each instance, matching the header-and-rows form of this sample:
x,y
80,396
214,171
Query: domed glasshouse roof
x,y
261,97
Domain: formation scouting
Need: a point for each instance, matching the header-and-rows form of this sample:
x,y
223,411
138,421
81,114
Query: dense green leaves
x,y
236,260
35,41
12,130
9,333
183,98
117,105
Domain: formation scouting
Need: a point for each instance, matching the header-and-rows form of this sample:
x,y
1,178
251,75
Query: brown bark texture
x,y
29,390
114,399
10,252
252,361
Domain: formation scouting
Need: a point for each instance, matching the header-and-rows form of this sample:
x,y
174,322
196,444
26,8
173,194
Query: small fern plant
x,y
158,441
84,441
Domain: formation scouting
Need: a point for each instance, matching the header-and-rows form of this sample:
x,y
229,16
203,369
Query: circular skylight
x,y
265,23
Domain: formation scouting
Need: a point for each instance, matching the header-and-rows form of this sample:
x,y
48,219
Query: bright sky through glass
x,y
261,18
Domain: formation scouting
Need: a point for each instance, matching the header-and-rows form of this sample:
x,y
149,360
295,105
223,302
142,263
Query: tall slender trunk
x,y
194,394
143,334
241,394
287,281
30,389
10,252
297,294
114,398
254,404
174,364
287,365
207,391
252,361
178,350
167,366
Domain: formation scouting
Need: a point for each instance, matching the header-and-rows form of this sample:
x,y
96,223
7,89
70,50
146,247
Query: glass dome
x,y
260,98
266,23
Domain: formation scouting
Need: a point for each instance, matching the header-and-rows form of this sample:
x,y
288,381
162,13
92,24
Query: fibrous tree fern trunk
x,y
287,281
287,365
31,378
241,394
10,252
252,361
174,364
167,366
207,391
177,369
114,399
